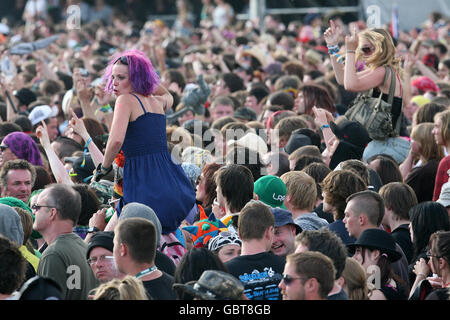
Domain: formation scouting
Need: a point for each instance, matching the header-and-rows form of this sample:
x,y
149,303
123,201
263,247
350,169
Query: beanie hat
x,y
11,224
103,239
139,210
420,100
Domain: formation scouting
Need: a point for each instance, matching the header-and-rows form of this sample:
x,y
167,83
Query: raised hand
x,y
42,134
77,125
331,35
351,41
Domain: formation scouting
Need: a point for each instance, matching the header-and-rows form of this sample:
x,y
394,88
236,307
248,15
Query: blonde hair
x,y
355,280
384,54
128,288
444,116
429,149
302,188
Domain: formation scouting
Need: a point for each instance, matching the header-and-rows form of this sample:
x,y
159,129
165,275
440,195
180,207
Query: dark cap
x,y
352,132
213,285
25,96
245,113
40,288
103,239
297,140
284,217
377,239
84,167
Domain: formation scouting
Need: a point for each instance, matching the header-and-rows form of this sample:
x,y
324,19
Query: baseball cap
x,y
271,190
284,217
351,131
40,113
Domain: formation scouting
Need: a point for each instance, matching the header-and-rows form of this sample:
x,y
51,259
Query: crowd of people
x,y
220,161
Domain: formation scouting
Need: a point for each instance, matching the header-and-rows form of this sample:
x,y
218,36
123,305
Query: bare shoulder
x,y
126,99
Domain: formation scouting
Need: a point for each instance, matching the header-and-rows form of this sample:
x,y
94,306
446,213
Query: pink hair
x,y
143,76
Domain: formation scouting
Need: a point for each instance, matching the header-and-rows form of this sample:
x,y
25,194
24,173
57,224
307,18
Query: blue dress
x,y
149,174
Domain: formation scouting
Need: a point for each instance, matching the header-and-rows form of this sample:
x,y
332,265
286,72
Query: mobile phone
x,y
84,73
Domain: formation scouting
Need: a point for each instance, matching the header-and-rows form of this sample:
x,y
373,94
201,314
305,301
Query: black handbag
x,y
375,114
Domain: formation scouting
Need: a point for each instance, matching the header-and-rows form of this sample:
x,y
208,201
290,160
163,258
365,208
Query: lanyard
x,y
146,272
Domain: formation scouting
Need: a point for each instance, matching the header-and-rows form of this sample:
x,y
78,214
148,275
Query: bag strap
x,y
393,83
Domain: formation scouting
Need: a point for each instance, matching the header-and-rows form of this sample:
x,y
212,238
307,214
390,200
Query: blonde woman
x,y
128,288
427,153
441,133
366,56
355,280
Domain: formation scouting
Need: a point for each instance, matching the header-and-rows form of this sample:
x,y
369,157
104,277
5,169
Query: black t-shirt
x,y
421,180
403,238
259,273
160,288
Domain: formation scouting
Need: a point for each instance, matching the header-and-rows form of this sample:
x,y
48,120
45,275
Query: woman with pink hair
x,y
138,128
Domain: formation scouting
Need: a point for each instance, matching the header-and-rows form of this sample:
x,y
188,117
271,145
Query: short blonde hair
x,y
302,189
128,288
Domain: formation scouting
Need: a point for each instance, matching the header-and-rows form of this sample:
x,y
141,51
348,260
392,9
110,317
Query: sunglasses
x,y
366,50
37,207
3,148
123,60
288,279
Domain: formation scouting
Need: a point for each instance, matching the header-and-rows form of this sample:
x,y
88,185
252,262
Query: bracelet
x,y
324,126
421,274
87,143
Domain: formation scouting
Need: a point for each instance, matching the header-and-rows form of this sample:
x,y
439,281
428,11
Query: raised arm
x,y
78,127
331,37
57,167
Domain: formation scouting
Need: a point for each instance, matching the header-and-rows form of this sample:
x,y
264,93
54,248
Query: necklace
x,y
146,272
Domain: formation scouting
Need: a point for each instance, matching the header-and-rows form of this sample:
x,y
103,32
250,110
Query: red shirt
x,y
441,176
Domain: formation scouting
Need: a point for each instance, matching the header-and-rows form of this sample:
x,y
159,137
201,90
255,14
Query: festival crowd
x,y
221,159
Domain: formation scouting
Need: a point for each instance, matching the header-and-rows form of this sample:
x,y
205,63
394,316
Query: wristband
x,y
85,151
87,143
93,230
324,126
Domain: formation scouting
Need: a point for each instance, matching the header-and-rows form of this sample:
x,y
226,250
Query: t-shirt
x,y
339,228
441,176
421,179
259,273
310,221
341,295
403,238
160,288
65,262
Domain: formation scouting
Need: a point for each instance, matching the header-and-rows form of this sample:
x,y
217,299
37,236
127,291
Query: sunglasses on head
x,y
123,60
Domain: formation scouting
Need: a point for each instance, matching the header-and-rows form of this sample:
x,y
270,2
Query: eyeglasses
x,y
288,279
123,60
102,258
37,207
3,148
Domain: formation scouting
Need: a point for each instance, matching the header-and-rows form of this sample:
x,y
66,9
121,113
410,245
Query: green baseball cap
x,y
271,190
